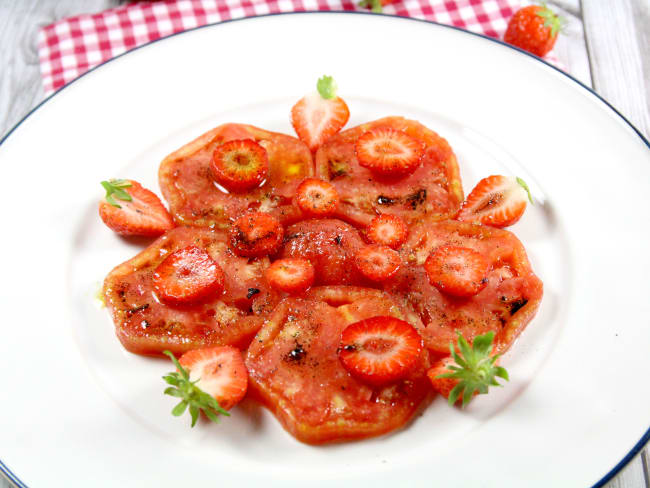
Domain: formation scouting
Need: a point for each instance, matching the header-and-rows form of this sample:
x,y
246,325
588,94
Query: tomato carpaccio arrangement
x,y
340,278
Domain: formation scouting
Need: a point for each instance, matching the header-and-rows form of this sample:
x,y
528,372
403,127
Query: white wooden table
x,y
606,46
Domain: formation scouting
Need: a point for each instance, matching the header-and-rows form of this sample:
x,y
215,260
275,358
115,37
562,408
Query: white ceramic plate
x,y
77,410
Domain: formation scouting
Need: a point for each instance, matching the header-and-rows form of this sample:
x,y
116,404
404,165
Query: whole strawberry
x,y
534,29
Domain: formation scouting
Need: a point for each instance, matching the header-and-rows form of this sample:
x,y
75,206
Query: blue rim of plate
x,y
644,439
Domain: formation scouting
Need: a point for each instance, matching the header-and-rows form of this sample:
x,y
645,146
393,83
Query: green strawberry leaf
x,y
551,19
523,184
373,5
191,395
475,368
116,188
326,87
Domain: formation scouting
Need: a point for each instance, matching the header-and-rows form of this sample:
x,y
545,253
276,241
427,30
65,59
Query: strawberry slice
x,y
220,372
388,230
256,234
380,350
317,198
136,212
187,276
497,200
458,271
389,152
377,262
319,116
239,165
293,275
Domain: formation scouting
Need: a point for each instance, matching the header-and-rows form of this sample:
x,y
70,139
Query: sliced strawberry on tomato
x,y
380,350
293,275
497,200
239,165
388,230
188,275
317,198
256,234
389,152
458,271
131,210
377,262
319,116
218,371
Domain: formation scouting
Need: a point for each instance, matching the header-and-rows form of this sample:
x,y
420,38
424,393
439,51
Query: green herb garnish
x,y
327,87
191,395
116,188
474,368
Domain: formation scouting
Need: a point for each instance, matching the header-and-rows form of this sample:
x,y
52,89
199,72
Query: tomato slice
x,y
188,186
431,191
145,325
295,370
507,303
330,245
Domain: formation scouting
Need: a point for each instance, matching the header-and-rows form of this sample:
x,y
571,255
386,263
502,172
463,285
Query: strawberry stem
x,y
326,87
551,19
116,188
474,368
523,184
373,5
190,395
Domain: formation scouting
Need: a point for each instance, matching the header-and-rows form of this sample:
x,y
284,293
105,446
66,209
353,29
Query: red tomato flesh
x,y
330,245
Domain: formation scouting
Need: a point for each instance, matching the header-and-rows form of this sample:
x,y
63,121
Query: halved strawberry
x,y
377,262
388,230
255,234
188,275
442,385
389,152
497,200
220,372
317,198
137,211
380,350
239,165
319,116
293,275
458,271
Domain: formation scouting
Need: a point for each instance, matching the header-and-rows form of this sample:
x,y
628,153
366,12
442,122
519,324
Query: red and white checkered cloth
x,y
70,47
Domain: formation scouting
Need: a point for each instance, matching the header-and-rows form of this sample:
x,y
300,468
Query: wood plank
x,y
570,47
614,31
20,81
